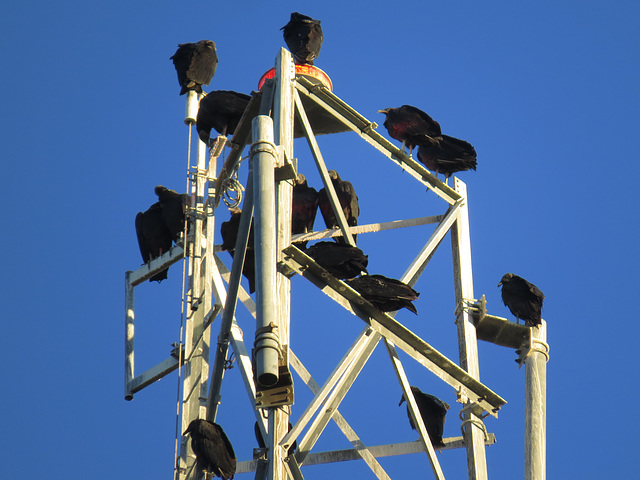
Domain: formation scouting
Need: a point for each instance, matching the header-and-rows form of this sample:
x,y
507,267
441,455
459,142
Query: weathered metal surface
x,y
153,375
467,341
148,270
535,426
378,451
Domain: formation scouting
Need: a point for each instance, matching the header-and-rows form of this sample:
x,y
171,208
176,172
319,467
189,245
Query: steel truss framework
x,y
287,99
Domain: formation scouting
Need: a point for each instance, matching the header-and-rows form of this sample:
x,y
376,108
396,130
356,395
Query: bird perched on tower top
x,y
411,126
303,36
523,298
195,64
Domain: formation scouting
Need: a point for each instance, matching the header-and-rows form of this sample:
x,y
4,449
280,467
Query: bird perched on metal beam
x,y
154,238
222,110
174,209
304,208
160,226
340,259
348,201
195,64
213,450
523,298
229,232
411,126
386,294
303,36
448,156
433,412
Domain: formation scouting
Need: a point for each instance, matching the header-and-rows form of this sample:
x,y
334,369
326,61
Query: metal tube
x,y
191,107
229,312
535,422
263,158
129,331
467,340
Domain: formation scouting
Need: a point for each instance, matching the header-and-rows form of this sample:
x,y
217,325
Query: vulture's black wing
x,y
195,64
221,110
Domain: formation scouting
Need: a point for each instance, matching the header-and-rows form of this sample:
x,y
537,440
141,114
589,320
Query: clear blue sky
x,y
546,91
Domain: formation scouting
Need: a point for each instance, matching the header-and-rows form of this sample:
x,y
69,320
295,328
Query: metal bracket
x,y
278,395
532,345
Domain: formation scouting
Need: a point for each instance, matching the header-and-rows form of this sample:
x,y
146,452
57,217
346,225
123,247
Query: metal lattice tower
x,y
285,107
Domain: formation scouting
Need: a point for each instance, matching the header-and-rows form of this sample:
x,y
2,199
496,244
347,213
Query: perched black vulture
x,y
222,110
387,294
523,298
304,208
340,259
348,200
212,448
229,231
154,238
260,440
448,156
195,64
411,126
174,208
303,36
433,412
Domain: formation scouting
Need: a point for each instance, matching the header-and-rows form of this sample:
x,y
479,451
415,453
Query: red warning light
x,y
314,74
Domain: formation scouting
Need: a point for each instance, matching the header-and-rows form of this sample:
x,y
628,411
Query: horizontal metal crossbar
x,y
366,129
152,375
378,451
369,228
401,336
149,269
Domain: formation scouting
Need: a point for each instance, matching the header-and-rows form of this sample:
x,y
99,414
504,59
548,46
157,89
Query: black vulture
x,y
448,156
340,259
154,238
387,294
229,231
174,208
411,126
195,64
348,200
212,448
303,36
523,298
433,412
260,440
304,208
222,110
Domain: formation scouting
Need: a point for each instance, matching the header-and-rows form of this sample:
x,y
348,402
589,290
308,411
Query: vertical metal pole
x,y
196,372
467,340
129,330
230,302
535,422
283,131
263,157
